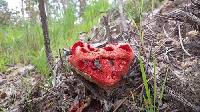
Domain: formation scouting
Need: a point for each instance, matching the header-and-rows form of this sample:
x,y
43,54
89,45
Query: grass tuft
x,y
146,86
154,84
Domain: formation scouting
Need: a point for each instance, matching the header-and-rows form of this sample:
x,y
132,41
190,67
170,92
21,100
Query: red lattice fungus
x,y
103,66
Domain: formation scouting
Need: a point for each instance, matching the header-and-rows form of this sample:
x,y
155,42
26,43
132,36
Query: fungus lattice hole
x,y
81,44
90,48
125,47
84,50
96,64
77,44
82,64
111,62
108,48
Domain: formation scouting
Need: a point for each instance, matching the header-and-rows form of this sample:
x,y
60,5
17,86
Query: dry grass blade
x,y
181,41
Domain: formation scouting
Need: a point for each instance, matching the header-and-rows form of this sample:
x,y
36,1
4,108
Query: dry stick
x,y
55,72
62,65
121,12
45,34
107,27
162,44
165,40
165,32
47,45
181,40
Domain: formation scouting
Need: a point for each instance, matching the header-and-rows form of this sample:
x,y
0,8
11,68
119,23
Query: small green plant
x,y
136,17
149,103
162,90
154,84
1,110
146,86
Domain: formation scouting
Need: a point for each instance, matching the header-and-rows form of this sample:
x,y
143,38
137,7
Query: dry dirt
x,y
177,60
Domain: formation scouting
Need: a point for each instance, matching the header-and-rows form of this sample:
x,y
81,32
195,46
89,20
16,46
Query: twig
x,y
162,44
44,22
165,32
106,24
151,30
181,40
150,56
61,59
121,12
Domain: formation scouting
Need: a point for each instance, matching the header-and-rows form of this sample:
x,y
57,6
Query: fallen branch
x,y
196,2
184,16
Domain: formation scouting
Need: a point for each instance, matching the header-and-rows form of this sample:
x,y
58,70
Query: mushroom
x,y
103,66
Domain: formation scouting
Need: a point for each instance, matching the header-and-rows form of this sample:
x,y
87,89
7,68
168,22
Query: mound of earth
x,y
175,42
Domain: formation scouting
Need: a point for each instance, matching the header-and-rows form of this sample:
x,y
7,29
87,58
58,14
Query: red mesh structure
x,y
104,66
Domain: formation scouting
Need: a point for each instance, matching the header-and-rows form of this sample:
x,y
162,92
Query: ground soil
x,y
22,89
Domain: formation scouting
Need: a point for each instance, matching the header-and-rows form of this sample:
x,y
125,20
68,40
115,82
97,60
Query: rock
x,y
20,69
24,70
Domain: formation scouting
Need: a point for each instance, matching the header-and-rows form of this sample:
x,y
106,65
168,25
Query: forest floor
x,y
174,44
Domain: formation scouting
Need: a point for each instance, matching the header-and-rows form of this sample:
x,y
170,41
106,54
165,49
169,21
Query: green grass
x,y
136,16
24,43
139,15
154,85
135,9
162,90
151,100
149,105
